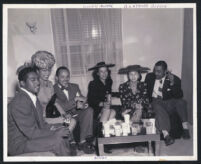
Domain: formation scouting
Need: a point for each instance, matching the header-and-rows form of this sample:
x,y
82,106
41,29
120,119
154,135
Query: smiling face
x,y
31,83
44,74
63,77
103,73
133,76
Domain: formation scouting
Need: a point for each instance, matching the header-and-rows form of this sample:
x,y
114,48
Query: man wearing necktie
x,y
71,100
27,131
165,93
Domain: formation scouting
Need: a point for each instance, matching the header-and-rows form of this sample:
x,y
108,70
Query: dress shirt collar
x,y
163,79
31,95
62,88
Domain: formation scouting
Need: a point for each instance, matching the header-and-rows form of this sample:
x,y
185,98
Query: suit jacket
x,y
168,91
67,104
25,122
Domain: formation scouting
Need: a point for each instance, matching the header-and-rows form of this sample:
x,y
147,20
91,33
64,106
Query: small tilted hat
x,y
131,68
101,64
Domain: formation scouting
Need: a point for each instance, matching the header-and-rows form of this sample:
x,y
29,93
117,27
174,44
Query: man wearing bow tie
x,y
70,98
165,93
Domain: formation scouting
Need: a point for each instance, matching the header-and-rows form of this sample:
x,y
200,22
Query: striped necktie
x,y
160,94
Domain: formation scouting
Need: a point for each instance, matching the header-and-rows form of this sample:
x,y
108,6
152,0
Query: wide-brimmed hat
x,y
101,64
130,68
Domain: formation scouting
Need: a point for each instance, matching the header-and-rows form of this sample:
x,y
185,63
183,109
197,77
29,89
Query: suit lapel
x,y
165,85
152,83
34,109
60,94
70,92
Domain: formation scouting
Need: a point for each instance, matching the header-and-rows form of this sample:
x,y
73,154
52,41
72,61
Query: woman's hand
x,y
101,104
106,105
138,106
125,112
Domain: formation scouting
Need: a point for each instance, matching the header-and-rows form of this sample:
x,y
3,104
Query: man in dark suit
x,y
27,131
71,100
165,93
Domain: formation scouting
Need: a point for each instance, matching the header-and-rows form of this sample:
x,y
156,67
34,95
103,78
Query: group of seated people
x,y
30,130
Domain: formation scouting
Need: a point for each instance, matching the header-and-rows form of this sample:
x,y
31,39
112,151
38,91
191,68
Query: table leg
x,y
101,149
157,148
149,148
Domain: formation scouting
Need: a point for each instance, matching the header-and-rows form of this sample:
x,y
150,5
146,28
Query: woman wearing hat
x,y
44,61
133,93
99,93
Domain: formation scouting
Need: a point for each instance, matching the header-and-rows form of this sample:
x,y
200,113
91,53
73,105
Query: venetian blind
x,y
84,37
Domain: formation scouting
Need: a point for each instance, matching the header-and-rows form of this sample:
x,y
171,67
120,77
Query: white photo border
x,y
7,158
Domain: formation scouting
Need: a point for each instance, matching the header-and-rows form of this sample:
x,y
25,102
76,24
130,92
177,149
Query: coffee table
x,y
131,139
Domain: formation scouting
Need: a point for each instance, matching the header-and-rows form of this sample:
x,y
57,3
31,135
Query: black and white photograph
x,y
99,82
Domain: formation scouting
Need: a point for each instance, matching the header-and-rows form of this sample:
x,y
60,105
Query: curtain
x,y
84,37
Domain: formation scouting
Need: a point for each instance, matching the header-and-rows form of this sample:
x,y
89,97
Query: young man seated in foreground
x,y
27,131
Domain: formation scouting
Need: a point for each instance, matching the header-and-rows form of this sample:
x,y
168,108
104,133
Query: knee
x,y
181,102
156,107
113,112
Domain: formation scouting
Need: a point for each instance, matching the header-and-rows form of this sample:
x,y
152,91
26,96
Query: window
x,y
84,37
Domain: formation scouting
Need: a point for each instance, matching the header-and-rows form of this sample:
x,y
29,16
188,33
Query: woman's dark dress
x,y
97,93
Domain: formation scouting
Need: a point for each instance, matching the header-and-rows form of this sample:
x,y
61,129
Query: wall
x,y
150,35
187,65
22,43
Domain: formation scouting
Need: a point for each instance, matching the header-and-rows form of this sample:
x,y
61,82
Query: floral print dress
x,y
129,100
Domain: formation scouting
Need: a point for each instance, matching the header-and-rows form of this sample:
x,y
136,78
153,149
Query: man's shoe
x,y
73,148
186,134
87,148
168,140
139,149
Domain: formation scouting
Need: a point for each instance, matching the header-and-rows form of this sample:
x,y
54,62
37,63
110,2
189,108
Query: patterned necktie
x,y
160,95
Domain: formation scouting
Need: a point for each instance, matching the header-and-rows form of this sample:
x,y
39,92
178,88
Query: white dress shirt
x,y
158,84
31,95
66,92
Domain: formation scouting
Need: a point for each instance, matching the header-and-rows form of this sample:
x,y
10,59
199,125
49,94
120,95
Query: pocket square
x,y
168,89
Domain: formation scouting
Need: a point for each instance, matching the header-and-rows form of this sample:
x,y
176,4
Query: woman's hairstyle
x,y
140,75
23,73
96,76
43,60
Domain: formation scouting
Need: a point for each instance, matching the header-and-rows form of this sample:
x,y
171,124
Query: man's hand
x,y
67,117
62,132
170,77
